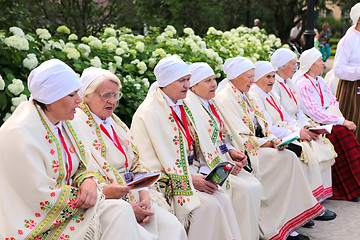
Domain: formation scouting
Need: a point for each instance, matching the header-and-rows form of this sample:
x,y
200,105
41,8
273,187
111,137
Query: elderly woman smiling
x,y
281,191
46,177
166,133
116,154
243,187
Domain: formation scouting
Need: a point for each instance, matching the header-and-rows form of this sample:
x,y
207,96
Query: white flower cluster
x,y
84,50
16,87
30,62
73,37
110,32
140,46
17,31
96,62
2,83
43,33
18,42
94,42
70,51
17,100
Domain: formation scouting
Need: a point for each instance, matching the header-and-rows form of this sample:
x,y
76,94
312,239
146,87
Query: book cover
x,y
325,129
289,139
144,180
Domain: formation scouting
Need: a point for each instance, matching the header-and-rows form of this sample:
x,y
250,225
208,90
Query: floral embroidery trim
x,y
59,215
59,151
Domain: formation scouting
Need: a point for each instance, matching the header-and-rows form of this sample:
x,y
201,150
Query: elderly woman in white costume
x,y
164,130
287,201
244,189
321,106
347,68
281,124
49,189
284,62
115,151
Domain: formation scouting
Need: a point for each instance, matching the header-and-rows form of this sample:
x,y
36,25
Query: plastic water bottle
x,y
221,174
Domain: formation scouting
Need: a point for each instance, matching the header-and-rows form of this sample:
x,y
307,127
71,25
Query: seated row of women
x,y
65,169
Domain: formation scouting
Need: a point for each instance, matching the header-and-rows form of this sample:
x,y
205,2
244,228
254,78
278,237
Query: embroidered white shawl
x,y
34,203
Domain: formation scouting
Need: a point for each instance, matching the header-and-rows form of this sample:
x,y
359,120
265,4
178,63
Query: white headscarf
x,y
51,81
281,57
307,59
262,68
200,71
234,67
89,75
355,13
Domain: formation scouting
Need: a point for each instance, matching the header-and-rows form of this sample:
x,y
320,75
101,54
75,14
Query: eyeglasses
x,y
107,95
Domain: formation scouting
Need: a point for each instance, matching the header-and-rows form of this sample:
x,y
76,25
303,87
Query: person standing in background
x,y
324,40
347,68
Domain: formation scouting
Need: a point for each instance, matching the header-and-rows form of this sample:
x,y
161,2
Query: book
x,y
220,173
289,139
325,129
144,180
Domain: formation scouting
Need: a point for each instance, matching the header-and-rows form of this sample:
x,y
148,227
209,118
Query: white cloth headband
x,y
51,81
355,13
262,68
199,72
89,75
281,57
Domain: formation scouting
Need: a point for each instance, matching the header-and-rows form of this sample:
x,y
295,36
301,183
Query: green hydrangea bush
x,y
132,57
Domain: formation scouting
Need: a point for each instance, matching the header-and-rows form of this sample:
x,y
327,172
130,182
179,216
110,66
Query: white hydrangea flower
x,y
159,52
110,32
72,53
123,45
118,60
142,67
84,50
223,49
189,31
43,33
109,46
63,29
218,75
256,29
253,60
73,37
96,43
30,62
256,56
17,31
17,42
152,62
136,61
227,34
146,82
218,32
112,40
160,39
17,100
278,43
2,83
140,46
69,45
85,39
139,37
194,47
129,78
272,37
112,67
286,46
137,86
132,52
211,30
170,29
7,116
16,87
119,51
96,62
57,45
